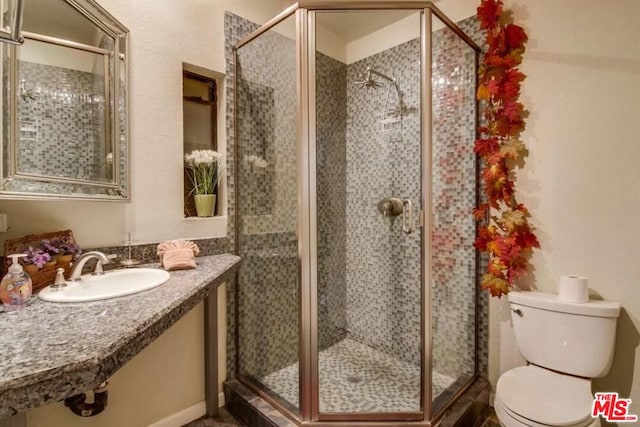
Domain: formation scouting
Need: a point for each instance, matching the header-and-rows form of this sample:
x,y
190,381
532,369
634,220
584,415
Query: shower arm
x,y
384,76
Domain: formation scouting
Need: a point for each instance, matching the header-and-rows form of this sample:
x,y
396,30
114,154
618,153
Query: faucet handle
x,y
99,270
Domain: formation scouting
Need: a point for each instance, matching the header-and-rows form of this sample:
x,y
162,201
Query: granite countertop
x,y
50,351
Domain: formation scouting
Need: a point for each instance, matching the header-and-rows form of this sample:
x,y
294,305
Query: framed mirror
x,y
64,104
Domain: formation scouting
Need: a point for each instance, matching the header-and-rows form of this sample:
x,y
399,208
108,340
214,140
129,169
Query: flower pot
x,y
205,204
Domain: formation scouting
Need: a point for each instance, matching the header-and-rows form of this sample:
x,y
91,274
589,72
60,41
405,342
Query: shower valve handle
x,y
390,207
407,216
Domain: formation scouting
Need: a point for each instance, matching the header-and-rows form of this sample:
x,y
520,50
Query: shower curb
x,y
251,409
470,409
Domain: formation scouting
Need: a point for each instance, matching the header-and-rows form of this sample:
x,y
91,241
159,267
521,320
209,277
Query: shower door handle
x,y
407,216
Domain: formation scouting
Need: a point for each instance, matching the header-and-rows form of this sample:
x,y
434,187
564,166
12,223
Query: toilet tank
x,y
573,338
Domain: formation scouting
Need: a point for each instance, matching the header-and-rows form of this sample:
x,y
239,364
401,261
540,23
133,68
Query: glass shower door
x,y
267,236
368,176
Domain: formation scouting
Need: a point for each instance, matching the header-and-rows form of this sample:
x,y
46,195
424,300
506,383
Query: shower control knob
x,y
390,207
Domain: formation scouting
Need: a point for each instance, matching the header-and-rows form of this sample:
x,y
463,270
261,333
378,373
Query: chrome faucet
x,y
76,271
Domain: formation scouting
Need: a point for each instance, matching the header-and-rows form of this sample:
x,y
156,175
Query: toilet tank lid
x,y
551,302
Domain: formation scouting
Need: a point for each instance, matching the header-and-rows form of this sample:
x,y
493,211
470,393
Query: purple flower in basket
x,y
61,246
50,247
37,256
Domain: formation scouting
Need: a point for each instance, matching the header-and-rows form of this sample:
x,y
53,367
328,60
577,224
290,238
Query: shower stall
x,y
355,179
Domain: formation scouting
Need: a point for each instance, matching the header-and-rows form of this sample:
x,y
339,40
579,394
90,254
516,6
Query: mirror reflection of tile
x,y
62,127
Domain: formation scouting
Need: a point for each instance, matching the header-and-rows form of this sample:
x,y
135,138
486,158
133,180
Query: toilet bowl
x,y
530,396
566,344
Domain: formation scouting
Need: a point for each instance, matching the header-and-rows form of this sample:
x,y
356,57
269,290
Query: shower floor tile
x,y
358,378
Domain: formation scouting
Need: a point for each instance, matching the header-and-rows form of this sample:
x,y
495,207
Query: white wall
x,y
583,92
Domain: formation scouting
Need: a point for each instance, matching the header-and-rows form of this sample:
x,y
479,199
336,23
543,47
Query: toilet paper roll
x,y
574,289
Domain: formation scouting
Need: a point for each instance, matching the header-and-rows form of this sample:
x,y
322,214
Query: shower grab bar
x,y
407,216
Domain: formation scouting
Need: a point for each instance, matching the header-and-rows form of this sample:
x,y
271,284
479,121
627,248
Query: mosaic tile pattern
x,y
235,28
454,196
267,295
358,378
471,27
267,131
383,263
331,119
68,112
267,308
256,119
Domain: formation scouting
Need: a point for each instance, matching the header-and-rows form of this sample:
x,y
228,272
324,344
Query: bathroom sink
x,y
112,284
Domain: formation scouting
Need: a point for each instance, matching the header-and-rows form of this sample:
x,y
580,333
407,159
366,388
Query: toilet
x,y
565,344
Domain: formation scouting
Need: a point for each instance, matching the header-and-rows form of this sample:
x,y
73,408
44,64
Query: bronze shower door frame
x,y
309,414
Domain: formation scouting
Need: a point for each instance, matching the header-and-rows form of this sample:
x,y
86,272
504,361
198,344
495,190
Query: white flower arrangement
x,y
256,161
206,168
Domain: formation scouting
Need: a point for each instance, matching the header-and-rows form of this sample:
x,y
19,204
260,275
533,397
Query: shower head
x,y
27,93
368,80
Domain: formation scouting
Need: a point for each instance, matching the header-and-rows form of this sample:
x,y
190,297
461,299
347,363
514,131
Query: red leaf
x,y
511,85
488,12
484,147
483,130
495,157
509,239
517,269
528,240
515,36
480,212
513,111
493,86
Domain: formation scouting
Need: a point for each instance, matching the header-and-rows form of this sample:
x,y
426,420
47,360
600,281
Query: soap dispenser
x,y
15,287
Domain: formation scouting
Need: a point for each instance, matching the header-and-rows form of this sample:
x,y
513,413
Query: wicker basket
x,y
46,275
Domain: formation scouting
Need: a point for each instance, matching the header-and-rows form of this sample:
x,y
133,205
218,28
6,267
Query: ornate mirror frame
x,y
20,184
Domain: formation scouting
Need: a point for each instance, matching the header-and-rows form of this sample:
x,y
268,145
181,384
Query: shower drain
x,y
354,379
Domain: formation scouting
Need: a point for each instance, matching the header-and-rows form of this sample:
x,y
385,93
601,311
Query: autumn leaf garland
x,y
504,231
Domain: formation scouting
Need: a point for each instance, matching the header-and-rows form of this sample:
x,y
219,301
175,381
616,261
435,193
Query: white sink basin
x,y
112,284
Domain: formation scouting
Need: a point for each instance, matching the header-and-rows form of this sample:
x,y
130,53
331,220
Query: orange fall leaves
x,y
504,231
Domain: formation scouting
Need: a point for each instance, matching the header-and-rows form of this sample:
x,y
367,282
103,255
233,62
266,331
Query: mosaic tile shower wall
x,y
454,196
256,109
331,119
235,28
383,263
471,27
267,213
68,111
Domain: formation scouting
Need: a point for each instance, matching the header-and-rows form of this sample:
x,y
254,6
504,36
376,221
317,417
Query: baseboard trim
x,y
187,415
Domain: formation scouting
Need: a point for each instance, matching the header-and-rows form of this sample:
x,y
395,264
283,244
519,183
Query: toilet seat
x,y
536,397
